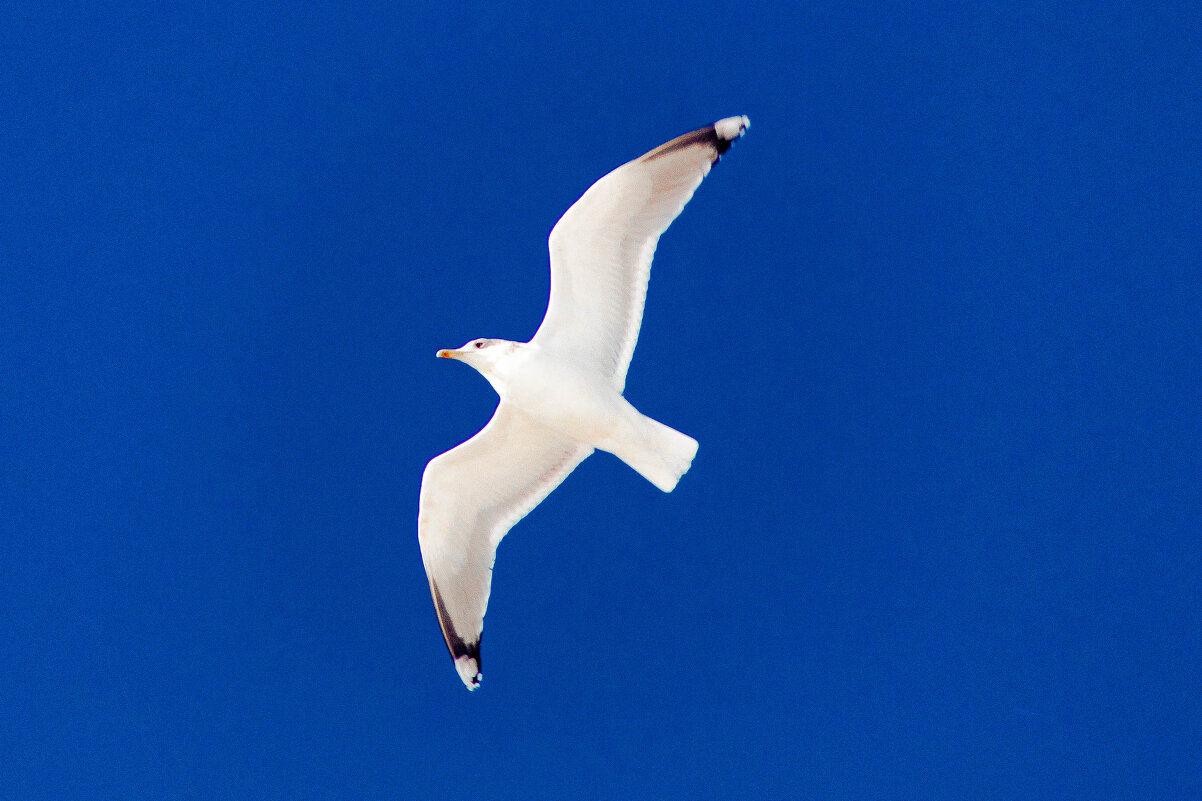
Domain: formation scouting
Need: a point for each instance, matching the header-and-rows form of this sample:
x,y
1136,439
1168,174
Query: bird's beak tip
x,y
443,354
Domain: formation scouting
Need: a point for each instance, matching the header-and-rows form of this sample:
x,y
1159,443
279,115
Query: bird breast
x,y
562,396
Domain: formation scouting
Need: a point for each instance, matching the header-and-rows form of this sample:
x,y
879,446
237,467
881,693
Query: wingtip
x,y
718,136
469,671
466,654
731,128
727,130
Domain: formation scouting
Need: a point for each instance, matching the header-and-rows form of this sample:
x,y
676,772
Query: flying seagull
x,y
561,392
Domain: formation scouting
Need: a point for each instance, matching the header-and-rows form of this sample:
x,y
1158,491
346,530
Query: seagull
x,y
561,392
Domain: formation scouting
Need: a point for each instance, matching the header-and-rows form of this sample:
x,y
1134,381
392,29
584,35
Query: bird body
x,y
552,389
580,404
561,392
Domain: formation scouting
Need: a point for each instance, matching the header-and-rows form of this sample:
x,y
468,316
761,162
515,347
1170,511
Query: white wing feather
x,y
601,249
471,496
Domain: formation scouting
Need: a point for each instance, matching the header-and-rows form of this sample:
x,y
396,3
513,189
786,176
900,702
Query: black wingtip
x,y
466,655
719,136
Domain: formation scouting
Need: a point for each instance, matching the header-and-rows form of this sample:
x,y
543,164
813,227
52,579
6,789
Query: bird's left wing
x,y
471,496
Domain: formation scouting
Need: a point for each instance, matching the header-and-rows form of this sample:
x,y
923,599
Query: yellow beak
x,y
447,354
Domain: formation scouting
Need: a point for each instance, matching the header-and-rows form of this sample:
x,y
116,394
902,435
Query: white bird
x,y
561,392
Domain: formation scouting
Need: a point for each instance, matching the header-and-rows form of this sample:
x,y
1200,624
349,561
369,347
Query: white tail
x,y
658,453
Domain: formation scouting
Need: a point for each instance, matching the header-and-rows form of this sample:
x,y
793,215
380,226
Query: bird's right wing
x,y
471,496
601,249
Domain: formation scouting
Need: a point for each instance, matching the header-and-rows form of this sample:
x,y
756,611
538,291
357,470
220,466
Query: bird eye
x,y
480,344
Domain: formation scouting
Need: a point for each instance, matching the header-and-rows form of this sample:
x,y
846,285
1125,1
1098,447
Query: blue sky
x,y
934,321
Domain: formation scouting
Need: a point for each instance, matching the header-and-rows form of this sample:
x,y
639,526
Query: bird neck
x,y
503,360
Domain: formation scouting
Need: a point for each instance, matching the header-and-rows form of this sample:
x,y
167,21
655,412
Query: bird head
x,y
479,353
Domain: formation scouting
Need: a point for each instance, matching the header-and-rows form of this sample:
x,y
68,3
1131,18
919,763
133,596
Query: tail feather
x,y
657,452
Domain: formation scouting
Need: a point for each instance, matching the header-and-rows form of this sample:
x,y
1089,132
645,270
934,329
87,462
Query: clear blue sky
x,y
935,322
